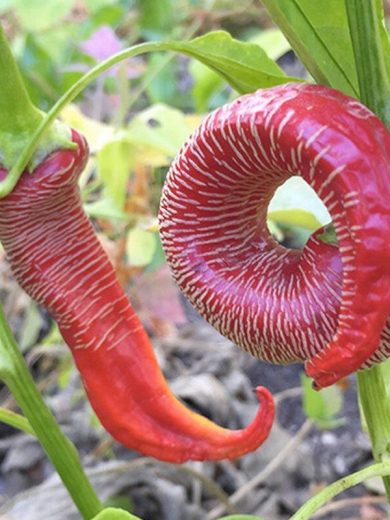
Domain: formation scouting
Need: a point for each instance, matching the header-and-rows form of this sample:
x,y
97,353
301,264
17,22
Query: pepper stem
x,y
59,449
364,19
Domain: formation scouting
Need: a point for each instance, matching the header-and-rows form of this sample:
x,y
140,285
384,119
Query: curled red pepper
x,y
327,306
58,260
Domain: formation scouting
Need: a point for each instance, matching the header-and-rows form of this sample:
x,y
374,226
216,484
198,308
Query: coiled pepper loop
x,y
324,305
57,259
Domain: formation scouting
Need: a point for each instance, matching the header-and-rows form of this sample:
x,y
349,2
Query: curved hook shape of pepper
x,y
324,305
57,259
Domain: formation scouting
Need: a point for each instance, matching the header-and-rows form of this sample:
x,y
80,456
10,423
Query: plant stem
x,y
376,410
376,470
16,421
364,18
61,452
17,113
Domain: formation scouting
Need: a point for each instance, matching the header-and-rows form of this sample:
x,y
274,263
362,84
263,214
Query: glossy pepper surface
x,y
324,305
57,259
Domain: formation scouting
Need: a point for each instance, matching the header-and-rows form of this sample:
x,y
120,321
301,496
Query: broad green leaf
x,y
208,83
50,13
318,33
324,406
245,66
112,513
140,247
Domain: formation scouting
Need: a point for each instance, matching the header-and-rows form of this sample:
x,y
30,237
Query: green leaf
x,y
318,32
245,66
208,83
112,513
324,406
140,247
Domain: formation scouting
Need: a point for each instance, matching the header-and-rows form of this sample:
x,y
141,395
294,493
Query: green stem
x,y
15,420
17,113
364,18
311,506
61,452
376,411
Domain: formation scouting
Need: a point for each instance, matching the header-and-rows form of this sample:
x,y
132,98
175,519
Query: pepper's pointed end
x,y
228,444
257,432
265,416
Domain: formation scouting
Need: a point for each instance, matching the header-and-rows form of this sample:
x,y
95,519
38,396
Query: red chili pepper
x,y
58,260
324,305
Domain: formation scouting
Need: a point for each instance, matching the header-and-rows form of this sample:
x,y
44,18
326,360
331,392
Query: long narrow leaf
x,y
318,32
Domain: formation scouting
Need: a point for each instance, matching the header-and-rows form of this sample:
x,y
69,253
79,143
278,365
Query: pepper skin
x,y
327,306
57,259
